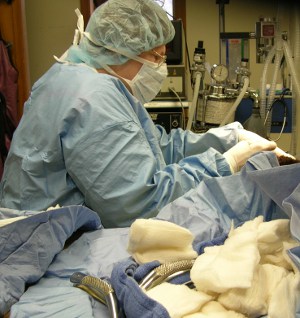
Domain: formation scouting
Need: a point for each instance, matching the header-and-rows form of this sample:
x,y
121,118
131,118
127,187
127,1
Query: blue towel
x,y
200,246
133,301
29,245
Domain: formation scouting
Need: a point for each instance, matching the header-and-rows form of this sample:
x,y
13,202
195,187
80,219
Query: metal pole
x,y
221,4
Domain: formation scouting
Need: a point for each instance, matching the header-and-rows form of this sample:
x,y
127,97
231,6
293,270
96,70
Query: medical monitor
x,y
174,48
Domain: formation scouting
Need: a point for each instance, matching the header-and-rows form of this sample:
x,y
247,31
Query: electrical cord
x,y
282,102
172,89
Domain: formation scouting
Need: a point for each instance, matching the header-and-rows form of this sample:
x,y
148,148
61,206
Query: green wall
x,y
50,30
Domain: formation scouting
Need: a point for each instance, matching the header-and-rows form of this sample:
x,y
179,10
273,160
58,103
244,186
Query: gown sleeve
x,y
120,175
179,143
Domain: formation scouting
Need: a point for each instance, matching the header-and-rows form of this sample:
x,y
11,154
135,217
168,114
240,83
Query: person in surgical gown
x,y
85,137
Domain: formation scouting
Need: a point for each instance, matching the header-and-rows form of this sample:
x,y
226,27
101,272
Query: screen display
x,y
268,30
174,48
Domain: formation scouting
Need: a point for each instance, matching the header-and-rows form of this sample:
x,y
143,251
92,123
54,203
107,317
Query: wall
x,y
50,31
51,25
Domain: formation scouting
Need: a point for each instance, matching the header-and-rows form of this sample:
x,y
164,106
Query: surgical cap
x,y
131,26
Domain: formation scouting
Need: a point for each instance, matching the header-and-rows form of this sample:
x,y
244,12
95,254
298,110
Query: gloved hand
x,y
247,135
243,150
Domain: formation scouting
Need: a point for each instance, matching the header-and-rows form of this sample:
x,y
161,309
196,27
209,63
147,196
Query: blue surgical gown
x,y
84,139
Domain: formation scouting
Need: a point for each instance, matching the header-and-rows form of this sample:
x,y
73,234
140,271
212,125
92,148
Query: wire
x,y
282,102
182,107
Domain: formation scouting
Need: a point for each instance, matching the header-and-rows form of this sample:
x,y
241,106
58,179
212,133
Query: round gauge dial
x,y
219,72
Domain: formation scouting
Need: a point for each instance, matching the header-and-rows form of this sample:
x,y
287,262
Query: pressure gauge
x,y
219,73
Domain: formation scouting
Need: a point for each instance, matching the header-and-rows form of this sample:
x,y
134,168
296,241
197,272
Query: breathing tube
x,y
233,108
263,83
194,101
272,90
295,81
281,102
280,47
296,93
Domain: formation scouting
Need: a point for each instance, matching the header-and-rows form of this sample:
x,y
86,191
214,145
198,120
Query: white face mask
x,y
147,82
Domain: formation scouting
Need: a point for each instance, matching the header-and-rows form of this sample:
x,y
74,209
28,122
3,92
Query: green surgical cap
x,y
131,26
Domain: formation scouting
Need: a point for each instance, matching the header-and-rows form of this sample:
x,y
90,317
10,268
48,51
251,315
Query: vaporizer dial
x,y
219,73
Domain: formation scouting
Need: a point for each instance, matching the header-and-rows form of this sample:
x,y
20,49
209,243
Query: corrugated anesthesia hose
x,y
294,147
296,90
272,90
292,68
236,103
194,101
263,83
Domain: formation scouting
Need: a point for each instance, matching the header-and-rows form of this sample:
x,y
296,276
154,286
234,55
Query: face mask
x,y
147,82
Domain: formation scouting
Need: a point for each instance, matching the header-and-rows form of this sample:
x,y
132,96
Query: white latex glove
x,y
247,135
243,150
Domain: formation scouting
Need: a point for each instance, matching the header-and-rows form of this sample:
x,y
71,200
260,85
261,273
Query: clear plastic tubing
x,y
290,62
296,97
263,83
194,101
272,90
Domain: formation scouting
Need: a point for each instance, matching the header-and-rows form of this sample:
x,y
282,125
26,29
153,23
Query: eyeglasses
x,y
162,58
161,2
